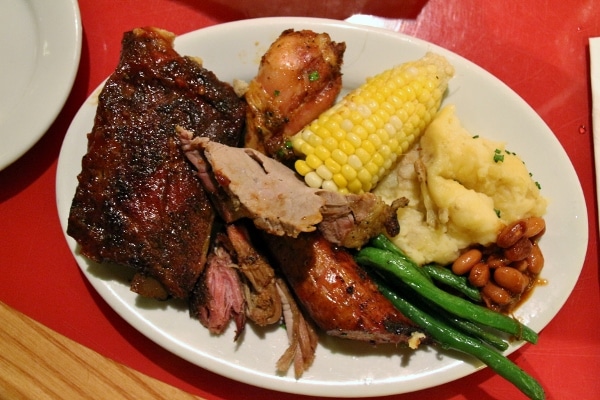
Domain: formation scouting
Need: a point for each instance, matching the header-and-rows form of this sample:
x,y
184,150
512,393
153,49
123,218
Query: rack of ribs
x,y
138,202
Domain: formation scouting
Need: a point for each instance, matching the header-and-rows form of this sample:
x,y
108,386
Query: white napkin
x,y
595,79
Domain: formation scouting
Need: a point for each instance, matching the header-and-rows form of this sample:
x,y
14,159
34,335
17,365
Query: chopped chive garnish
x,y
498,157
313,76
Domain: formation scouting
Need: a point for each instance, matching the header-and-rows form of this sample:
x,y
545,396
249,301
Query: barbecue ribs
x,y
138,202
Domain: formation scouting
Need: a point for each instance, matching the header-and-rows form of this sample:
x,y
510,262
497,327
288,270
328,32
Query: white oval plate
x,y
40,43
343,368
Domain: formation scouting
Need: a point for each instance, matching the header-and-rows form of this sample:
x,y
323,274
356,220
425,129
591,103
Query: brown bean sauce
x,y
497,256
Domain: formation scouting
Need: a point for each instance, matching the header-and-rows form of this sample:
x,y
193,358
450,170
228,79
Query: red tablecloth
x,y
539,48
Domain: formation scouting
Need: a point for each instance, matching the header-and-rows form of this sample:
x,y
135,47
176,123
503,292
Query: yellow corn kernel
x,y
371,168
314,140
365,177
302,167
331,125
363,155
307,149
313,161
340,181
355,162
357,141
369,147
297,144
347,147
353,139
322,153
355,186
348,172
332,165
339,156
330,144
328,184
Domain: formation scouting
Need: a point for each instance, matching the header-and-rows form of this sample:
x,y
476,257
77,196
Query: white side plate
x,y
40,43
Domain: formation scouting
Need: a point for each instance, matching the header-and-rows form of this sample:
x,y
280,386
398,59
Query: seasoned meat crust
x,y
299,77
138,202
335,292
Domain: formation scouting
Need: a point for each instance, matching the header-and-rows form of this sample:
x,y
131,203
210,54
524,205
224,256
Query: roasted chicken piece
x,y
138,202
299,77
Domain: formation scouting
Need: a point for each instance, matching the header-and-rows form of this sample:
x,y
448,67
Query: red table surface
x,y
539,48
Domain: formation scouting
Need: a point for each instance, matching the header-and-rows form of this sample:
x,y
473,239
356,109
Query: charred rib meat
x,y
138,202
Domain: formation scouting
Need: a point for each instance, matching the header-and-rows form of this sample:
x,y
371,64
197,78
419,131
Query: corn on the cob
x,y
353,144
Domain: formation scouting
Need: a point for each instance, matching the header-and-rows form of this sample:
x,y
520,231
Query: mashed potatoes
x,y
462,190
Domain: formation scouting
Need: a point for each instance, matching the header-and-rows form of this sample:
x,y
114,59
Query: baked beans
x,y
508,270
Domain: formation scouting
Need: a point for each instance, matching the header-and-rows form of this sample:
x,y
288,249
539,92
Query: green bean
x,y
487,336
447,277
407,273
467,327
438,273
478,332
449,337
382,242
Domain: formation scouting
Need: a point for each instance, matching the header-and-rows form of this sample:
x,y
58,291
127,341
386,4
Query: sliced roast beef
x,y
255,186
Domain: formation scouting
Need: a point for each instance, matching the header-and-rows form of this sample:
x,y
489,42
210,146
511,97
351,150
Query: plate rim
x,y
53,78
312,388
